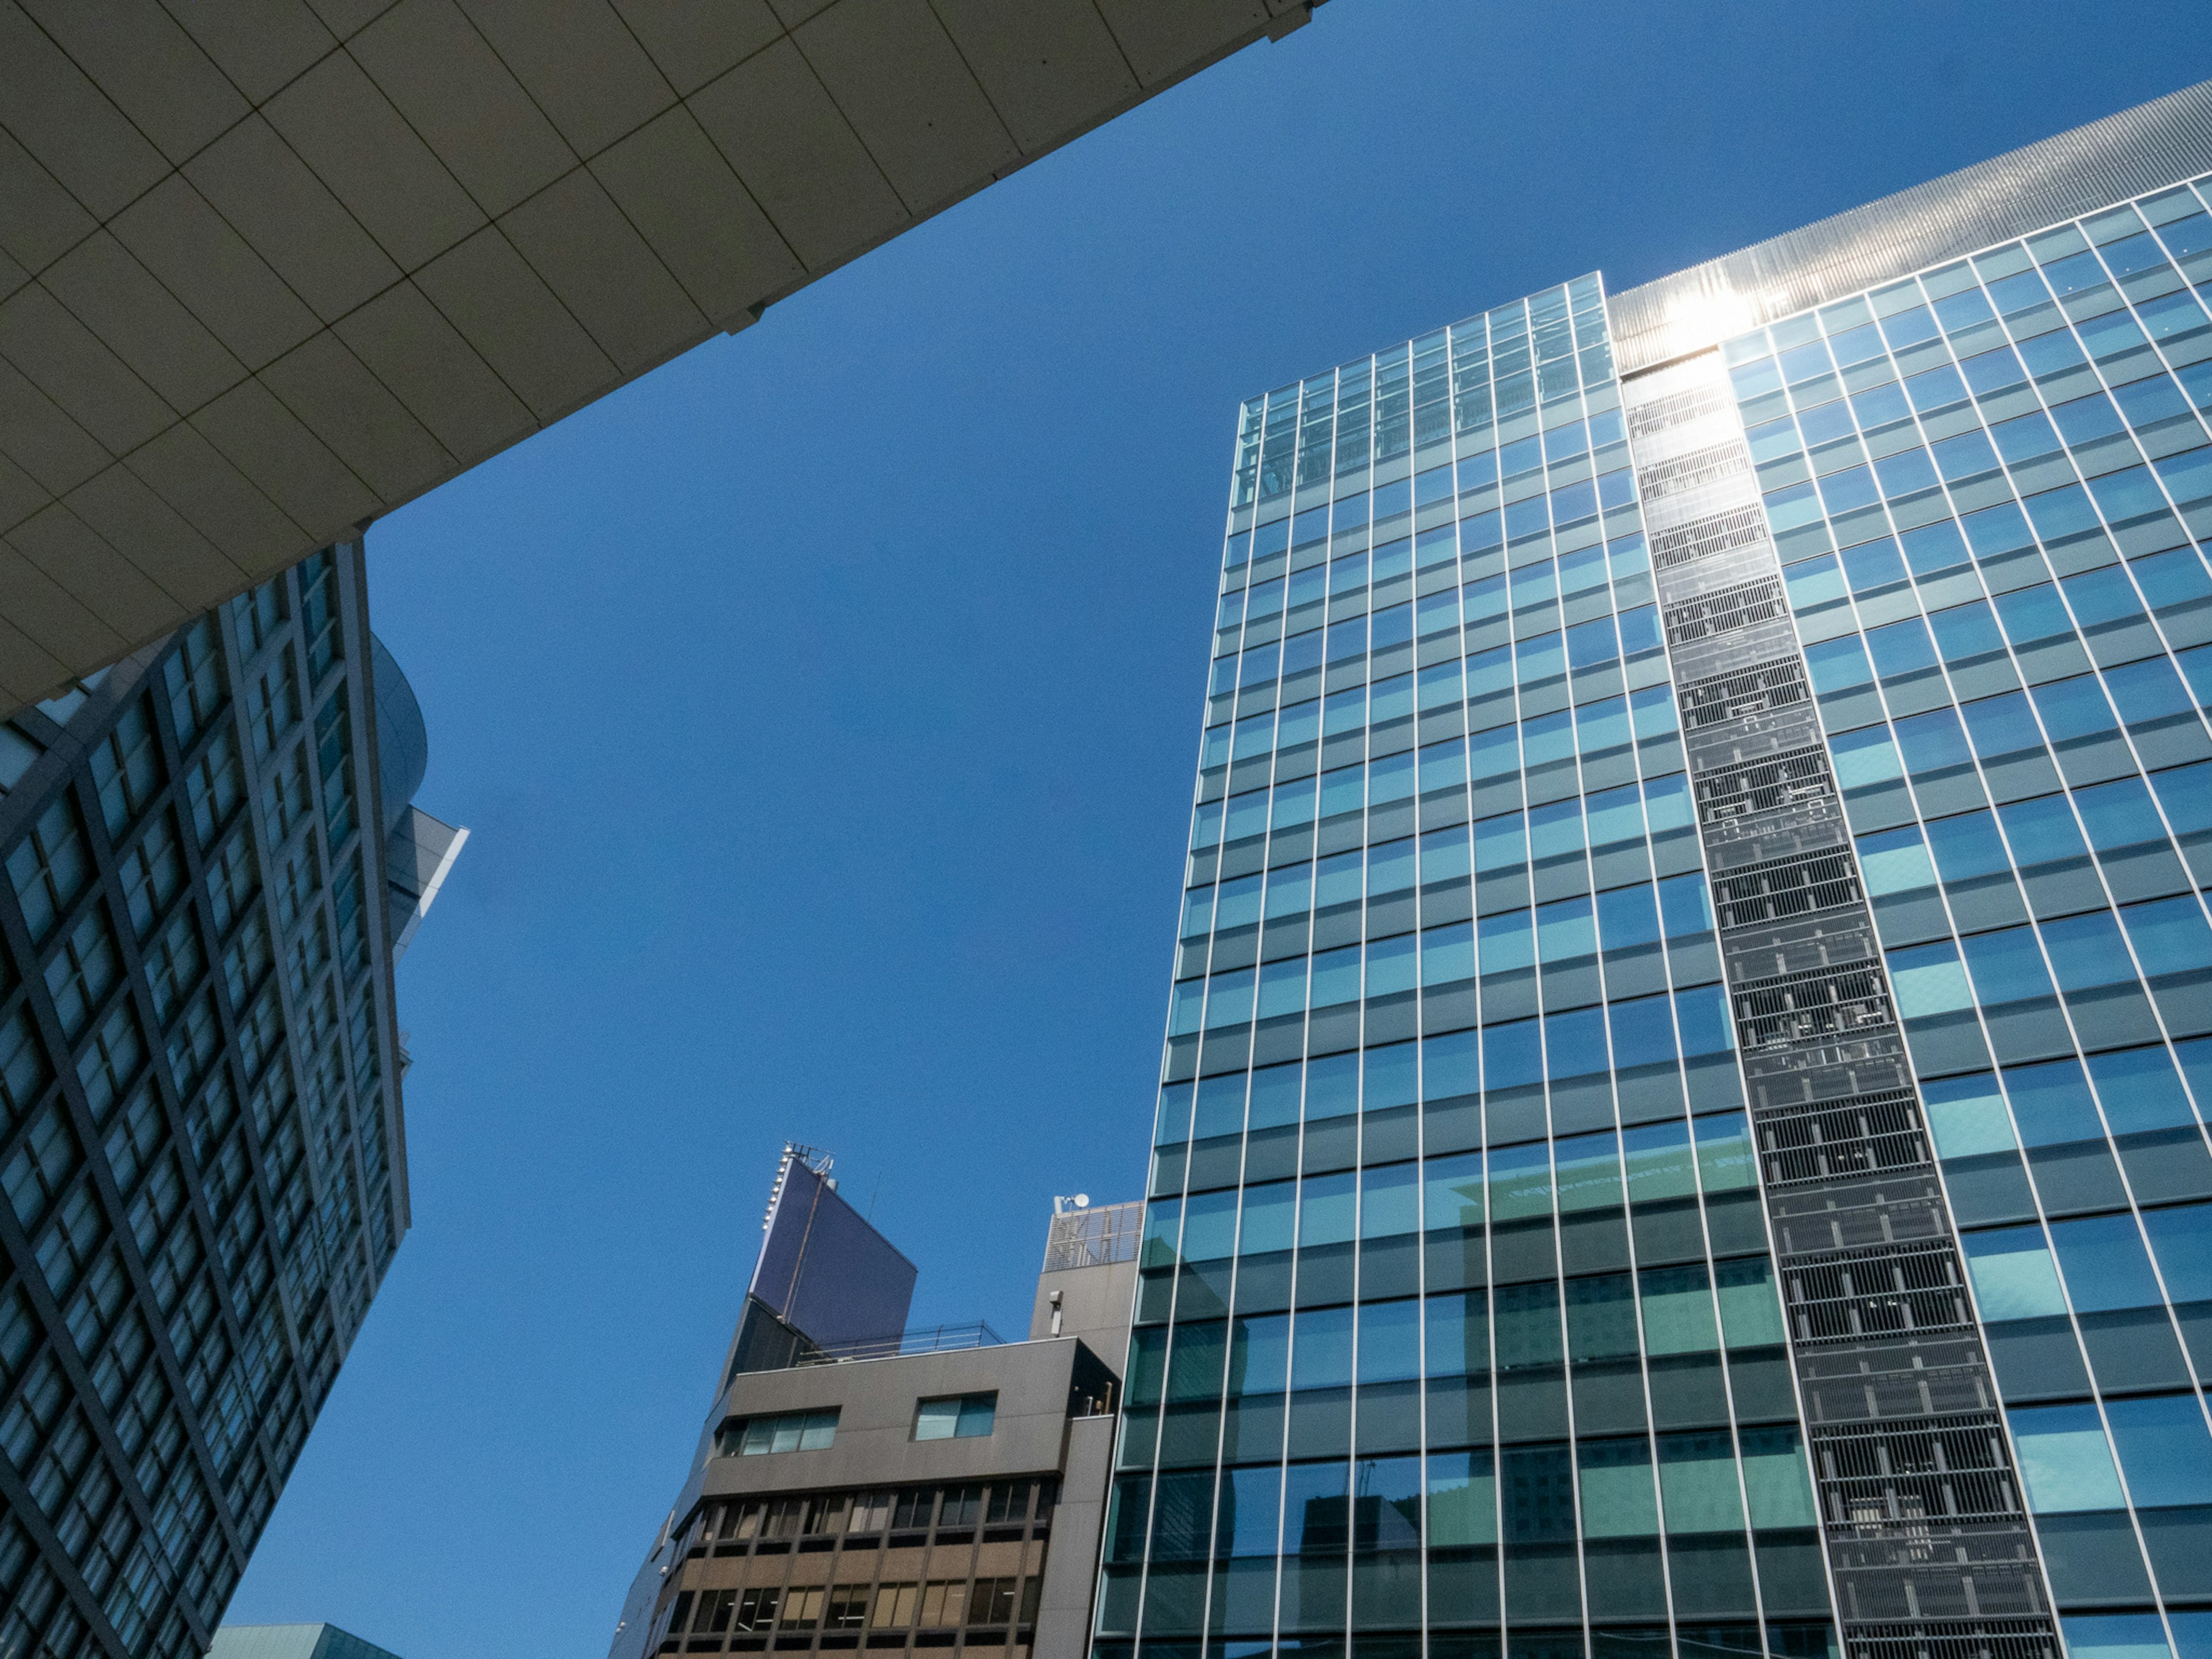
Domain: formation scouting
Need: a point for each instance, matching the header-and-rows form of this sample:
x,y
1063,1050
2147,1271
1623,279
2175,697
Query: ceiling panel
x,y
39,220
593,258
189,569
580,62
67,361
259,44
266,193
671,183
505,310
80,561
692,43
121,302
150,69
425,362
776,125
333,394
198,256
1049,67
58,114
446,79
337,122
897,76
270,267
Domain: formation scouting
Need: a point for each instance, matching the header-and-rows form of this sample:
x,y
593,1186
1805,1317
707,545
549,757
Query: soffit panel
x,y
348,132
427,364
692,41
48,444
579,62
671,183
184,468
798,156
443,75
212,355
578,241
1048,67
33,600
27,672
1163,39
39,220
338,399
899,80
190,570
196,255
259,44
500,305
795,12
80,561
345,17
60,117
20,494
290,218
120,301
67,362
273,448
150,69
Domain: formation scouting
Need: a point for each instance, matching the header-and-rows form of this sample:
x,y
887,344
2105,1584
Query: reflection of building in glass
x,y
1683,1112
860,1480
212,864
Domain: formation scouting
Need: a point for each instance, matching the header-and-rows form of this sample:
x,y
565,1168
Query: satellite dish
x,y
1083,1201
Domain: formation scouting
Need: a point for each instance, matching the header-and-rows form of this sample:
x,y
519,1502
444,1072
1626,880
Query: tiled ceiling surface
x,y
269,268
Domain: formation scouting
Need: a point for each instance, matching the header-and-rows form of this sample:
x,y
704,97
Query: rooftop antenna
x,y
1062,1206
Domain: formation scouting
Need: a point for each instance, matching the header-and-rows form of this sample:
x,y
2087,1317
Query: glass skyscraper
x,y
211,865
1682,1125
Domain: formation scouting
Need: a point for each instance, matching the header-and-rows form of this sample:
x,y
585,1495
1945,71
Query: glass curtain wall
x,y
1457,1311
1989,485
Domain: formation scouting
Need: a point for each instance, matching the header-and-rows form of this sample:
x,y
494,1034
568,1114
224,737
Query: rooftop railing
x,y
923,1339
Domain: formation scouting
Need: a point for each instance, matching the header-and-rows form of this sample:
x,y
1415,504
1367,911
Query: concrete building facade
x,y
904,1490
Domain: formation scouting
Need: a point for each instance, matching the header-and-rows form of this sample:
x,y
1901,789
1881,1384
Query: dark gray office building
x,y
212,863
1683,1116
859,1484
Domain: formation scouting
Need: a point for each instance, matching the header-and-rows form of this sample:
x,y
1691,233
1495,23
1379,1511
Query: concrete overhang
x,y
270,267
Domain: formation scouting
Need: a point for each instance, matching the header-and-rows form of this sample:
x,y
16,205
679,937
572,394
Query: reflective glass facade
x,y
201,1147
1680,1124
1988,501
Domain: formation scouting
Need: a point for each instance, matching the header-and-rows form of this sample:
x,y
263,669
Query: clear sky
x,y
824,707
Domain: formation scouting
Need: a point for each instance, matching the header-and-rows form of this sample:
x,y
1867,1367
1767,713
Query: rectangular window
x,y
847,1607
49,868
126,766
943,1600
991,1601
751,1436
802,1607
957,1417
894,1606
961,1507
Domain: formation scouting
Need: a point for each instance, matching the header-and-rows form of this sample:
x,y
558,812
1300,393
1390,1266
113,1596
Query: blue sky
x,y
824,706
